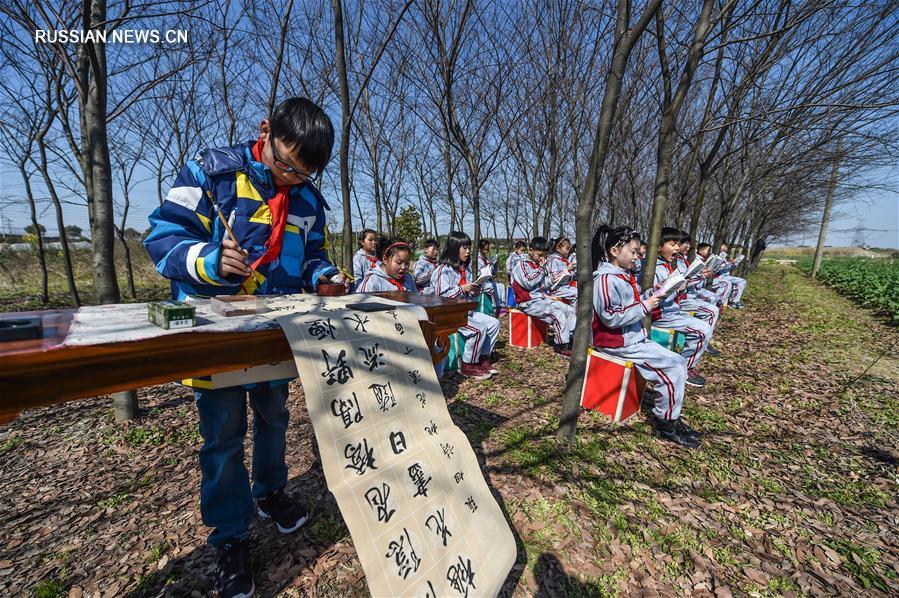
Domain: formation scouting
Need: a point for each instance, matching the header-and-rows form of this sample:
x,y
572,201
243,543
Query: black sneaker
x,y
667,430
710,350
694,379
234,578
288,515
684,430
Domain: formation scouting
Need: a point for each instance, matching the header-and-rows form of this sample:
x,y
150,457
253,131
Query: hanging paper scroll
x,y
405,477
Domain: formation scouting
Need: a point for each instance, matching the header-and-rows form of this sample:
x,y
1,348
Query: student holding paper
x,y
528,280
497,290
392,271
739,284
450,279
560,272
618,312
719,286
690,299
669,315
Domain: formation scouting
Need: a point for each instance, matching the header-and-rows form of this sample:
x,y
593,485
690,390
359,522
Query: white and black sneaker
x,y
288,515
233,576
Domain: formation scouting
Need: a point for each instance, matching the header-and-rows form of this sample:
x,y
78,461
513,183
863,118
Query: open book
x,y
695,268
563,281
485,275
714,263
670,286
739,259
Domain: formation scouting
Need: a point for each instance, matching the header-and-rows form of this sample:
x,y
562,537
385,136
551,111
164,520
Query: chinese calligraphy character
x,y
373,357
432,429
399,328
440,527
383,393
421,397
397,442
361,457
340,372
458,476
392,312
408,350
347,409
447,449
406,562
461,577
359,321
471,504
415,376
377,499
430,592
321,329
418,478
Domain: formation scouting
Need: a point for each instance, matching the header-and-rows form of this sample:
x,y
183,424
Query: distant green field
x,y
872,283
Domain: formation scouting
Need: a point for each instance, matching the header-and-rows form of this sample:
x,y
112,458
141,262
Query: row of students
x,y
447,277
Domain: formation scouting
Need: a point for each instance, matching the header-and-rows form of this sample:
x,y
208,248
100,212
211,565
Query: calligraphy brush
x,y
231,235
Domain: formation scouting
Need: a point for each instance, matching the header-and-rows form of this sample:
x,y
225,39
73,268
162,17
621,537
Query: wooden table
x,y
42,372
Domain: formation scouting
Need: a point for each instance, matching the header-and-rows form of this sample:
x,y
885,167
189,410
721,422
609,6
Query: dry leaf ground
x,y
793,492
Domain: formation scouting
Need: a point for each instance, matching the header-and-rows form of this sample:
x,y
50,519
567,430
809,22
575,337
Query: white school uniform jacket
x,y
669,304
513,259
557,268
447,281
362,263
528,281
618,309
376,280
424,268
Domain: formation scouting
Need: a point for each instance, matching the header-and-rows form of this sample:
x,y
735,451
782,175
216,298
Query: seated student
x,y
425,265
497,290
450,279
638,263
669,315
698,284
618,313
392,271
519,252
739,284
689,299
720,287
365,259
528,280
558,268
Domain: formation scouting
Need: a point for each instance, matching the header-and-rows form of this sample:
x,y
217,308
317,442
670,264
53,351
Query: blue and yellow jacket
x,y
186,236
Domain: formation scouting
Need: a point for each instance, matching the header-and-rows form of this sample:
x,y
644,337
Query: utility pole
x,y
828,202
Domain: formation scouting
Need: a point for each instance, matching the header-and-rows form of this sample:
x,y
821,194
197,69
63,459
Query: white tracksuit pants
x,y
561,316
480,333
698,334
665,369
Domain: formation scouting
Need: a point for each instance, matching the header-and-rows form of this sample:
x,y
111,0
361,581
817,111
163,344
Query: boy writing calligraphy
x,y
264,189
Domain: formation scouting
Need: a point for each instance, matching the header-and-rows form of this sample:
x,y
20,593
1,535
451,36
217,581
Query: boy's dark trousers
x,y
226,500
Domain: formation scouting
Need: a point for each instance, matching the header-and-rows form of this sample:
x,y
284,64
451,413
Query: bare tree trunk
x,y
625,38
279,59
825,219
671,108
41,256
344,131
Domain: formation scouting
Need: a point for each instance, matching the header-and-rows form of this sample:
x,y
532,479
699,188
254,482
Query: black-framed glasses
x,y
304,177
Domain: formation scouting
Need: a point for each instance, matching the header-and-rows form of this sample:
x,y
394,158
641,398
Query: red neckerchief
x,y
433,261
278,206
462,281
630,278
397,283
668,267
371,260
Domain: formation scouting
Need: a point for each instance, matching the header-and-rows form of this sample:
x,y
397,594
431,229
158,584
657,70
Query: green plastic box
x,y
670,339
